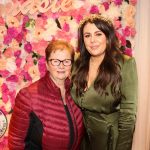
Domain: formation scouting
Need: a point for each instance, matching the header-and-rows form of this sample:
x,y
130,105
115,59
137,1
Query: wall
x,y
142,54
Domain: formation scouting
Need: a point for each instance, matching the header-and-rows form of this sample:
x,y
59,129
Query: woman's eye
x,y
55,61
98,34
86,36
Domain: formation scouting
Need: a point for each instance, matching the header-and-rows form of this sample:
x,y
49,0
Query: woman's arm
x,y
19,122
128,105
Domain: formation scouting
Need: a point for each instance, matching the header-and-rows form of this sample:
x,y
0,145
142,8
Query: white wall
x,y
142,55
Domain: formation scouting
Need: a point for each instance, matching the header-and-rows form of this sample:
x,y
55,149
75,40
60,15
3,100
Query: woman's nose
x,y
92,38
61,65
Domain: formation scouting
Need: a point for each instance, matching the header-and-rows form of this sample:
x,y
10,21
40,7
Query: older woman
x,y
45,116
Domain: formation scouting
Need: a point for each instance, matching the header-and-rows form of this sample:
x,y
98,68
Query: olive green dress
x,y
110,127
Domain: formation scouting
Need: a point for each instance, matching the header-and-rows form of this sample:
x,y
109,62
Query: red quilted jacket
x,y
39,120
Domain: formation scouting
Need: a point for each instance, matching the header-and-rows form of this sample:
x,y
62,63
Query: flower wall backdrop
x,y
27,26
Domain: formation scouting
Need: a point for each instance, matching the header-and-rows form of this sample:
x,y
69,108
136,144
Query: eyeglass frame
x,y
60,61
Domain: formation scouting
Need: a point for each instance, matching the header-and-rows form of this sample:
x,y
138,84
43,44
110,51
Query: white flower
x,y
112,12
11,65
51,25
78,4
73,42
73,26
11,85
35,35
12,21
94,2
8,106
29,36
34,73
2,32
50,29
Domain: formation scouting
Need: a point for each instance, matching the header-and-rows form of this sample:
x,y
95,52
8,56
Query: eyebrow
x,y
94,32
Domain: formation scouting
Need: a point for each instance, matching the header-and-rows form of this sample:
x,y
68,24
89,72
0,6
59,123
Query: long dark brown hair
x,y
109,69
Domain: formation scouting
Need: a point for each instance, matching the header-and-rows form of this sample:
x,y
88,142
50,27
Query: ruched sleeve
x,y
19,122
128,106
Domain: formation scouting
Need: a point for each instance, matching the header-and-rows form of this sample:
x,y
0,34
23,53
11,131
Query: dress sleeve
x,y
128,106
19,122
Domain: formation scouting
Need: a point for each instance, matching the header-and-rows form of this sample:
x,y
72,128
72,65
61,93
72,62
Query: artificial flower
x,y
4,73
133,2
8,52
18,62
2,63
128,51
17,53
34,73
28,47
12,78
117,2
94,9
11,65
2,32
39,47
37,34
12,21
94,2
19,37
7,39
42,66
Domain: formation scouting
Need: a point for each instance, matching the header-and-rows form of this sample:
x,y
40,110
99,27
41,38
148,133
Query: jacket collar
x,y
53,86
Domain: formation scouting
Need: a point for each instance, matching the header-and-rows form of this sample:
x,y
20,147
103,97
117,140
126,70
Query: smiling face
x,y
94,39
59,72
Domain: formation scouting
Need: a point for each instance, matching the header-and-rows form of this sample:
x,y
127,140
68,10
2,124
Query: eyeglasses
x,y
56,62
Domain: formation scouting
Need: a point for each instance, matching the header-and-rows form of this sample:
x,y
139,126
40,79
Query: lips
x,y
61,71
94,47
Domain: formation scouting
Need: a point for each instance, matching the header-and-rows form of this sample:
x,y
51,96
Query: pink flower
x,y
4,111
126,31
118,2
39,47
133,2
42,66
123,41
4,73
19,37
128,51
8,52
28,47
4,139
106,5
5,92
133,32
2,22
63,35
17,53
26,76
12,32
18,62
94,9
12,95
5,97
66,27
25,19
40,22
117,24
5,88
12,78
7,39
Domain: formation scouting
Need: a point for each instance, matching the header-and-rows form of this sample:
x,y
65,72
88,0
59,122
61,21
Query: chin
x,y
62,78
